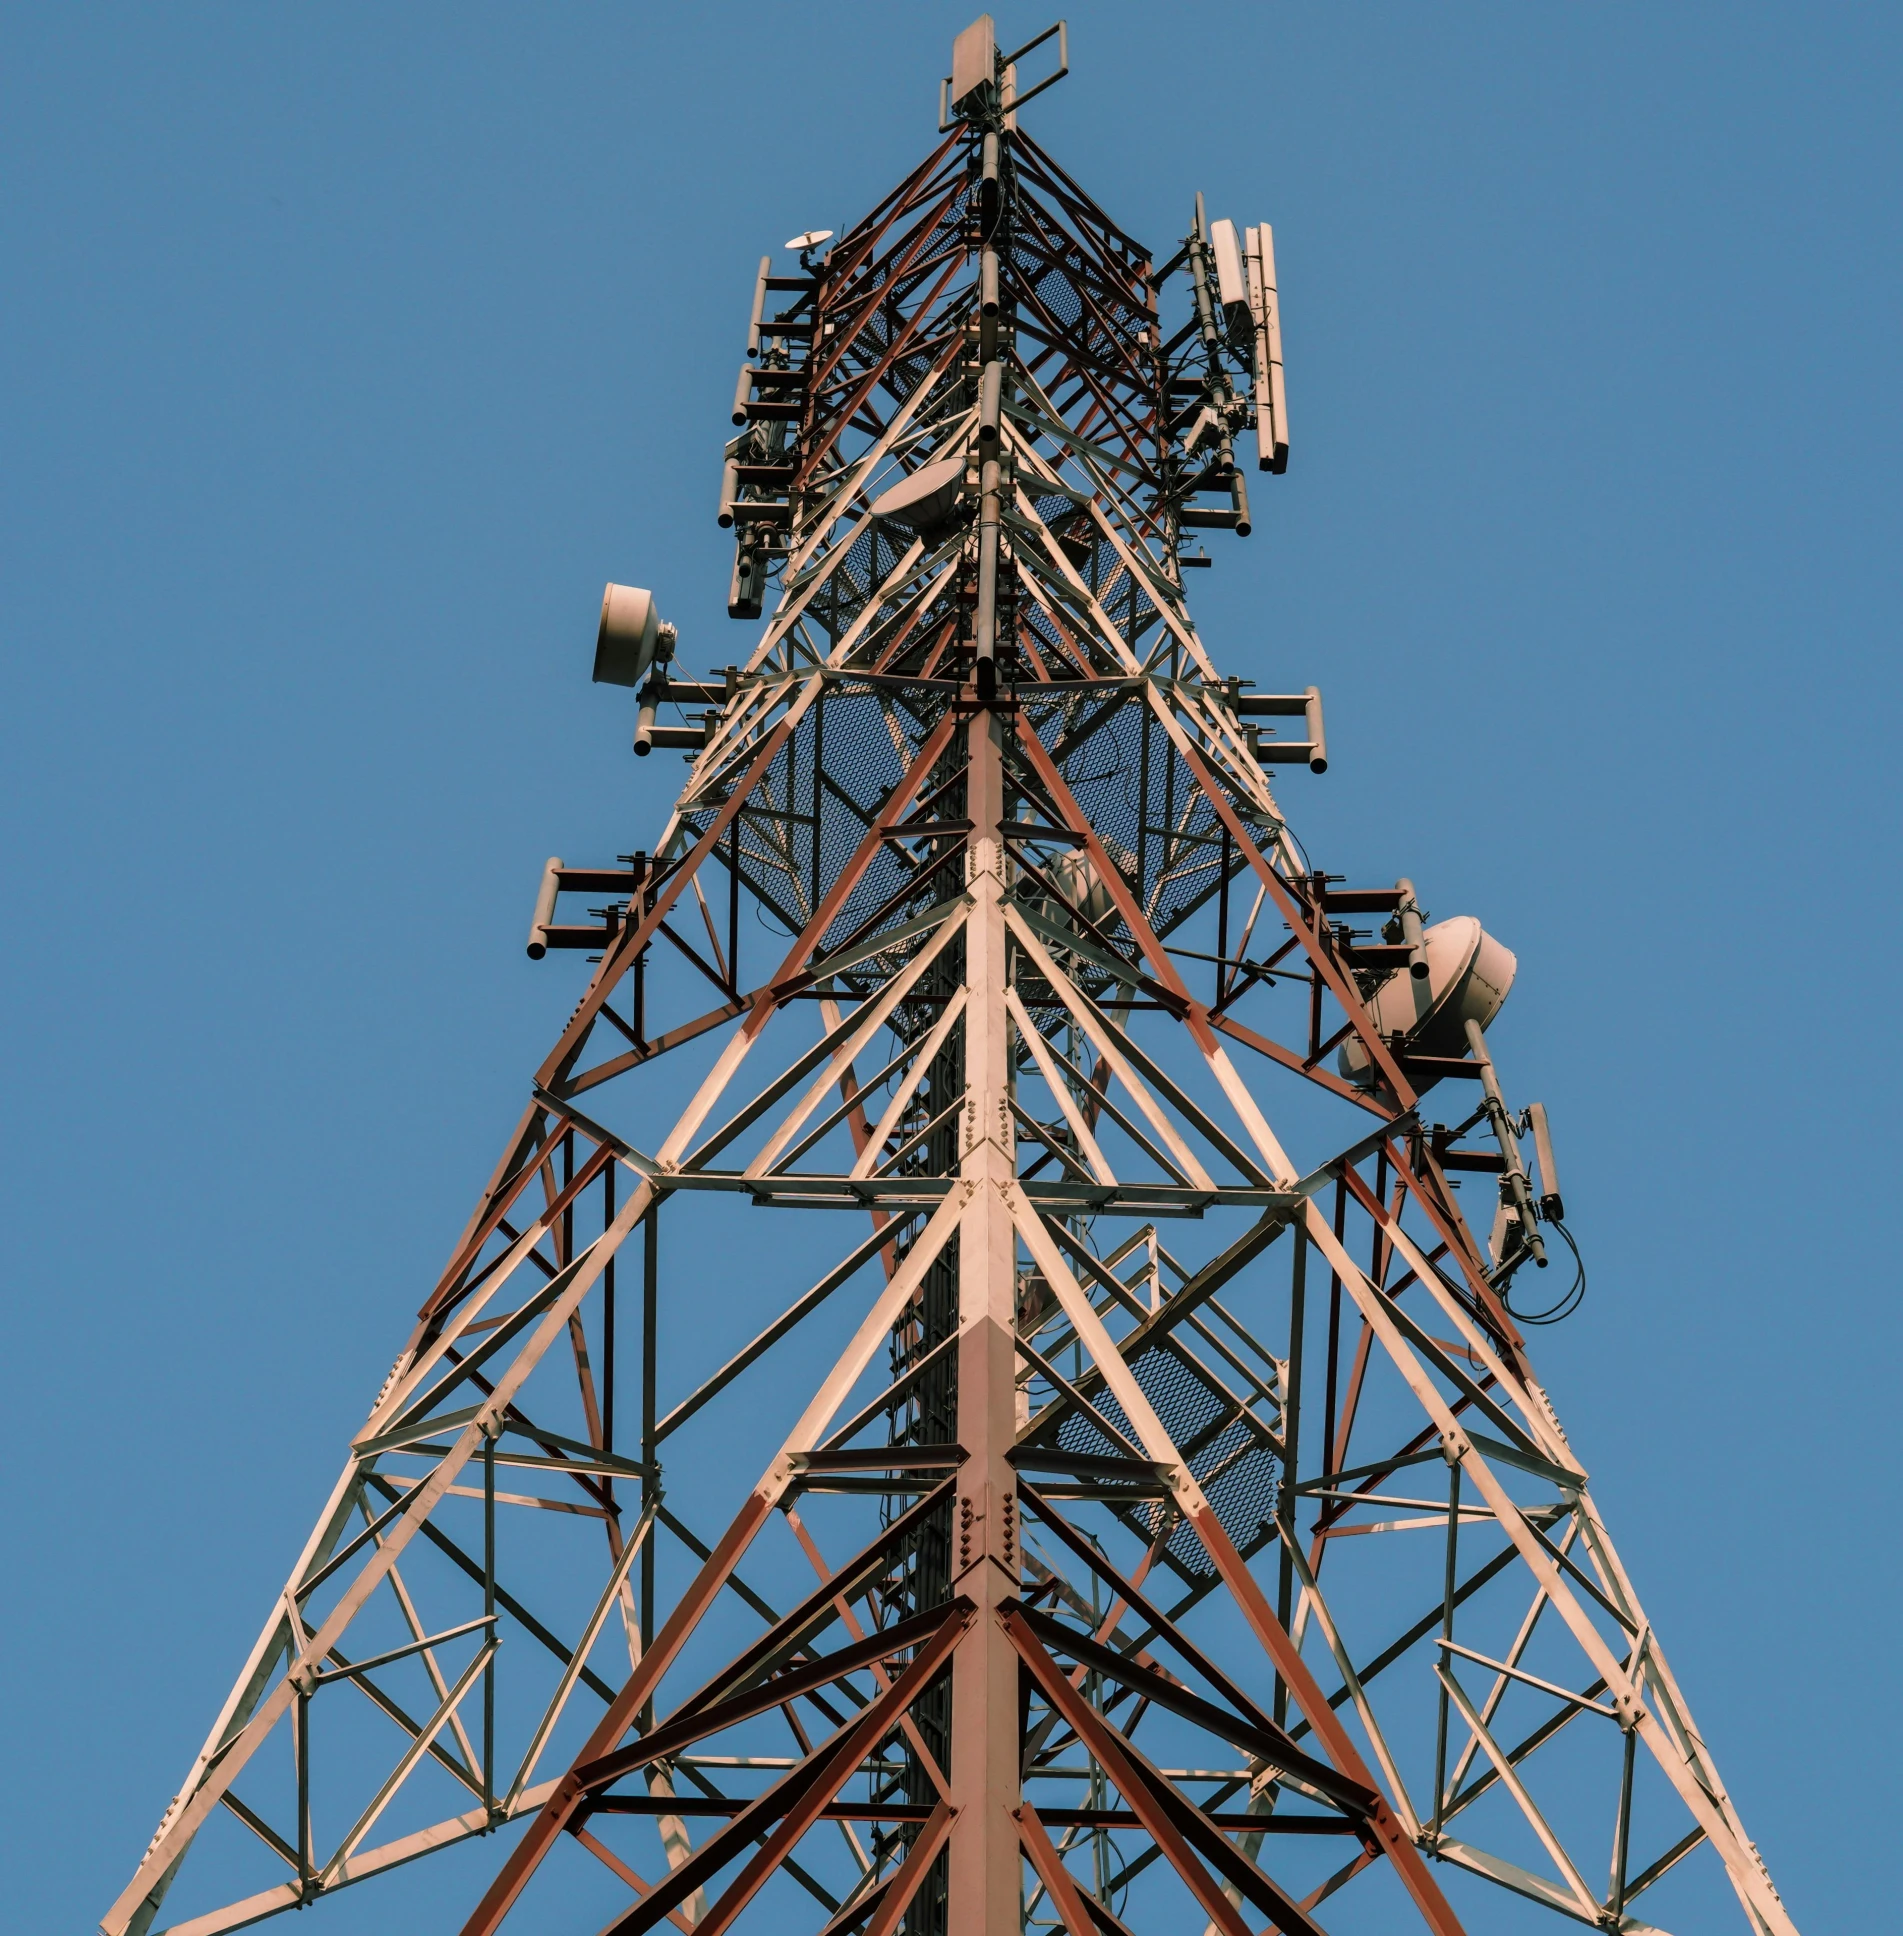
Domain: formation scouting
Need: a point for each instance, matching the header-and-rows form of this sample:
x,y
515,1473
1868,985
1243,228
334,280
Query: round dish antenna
x,y
927,498
631,636
1468,977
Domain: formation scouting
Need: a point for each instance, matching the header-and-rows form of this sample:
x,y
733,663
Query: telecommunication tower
x,y
1161,1523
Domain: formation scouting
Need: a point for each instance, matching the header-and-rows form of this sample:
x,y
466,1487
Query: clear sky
x,y
349,349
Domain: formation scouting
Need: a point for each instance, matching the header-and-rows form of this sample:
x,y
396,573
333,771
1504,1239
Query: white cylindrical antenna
x,y
1412,937
544,916
1514,1187
1552,1205
1317,733
990,401
990,188
759,305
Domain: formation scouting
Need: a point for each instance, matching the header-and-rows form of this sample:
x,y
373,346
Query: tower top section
x,y
989,364
984,89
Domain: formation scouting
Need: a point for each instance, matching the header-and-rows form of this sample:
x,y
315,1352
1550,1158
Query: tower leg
x,y
985,1890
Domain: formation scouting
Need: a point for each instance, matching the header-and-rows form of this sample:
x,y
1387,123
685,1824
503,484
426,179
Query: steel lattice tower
x,y
1170,1531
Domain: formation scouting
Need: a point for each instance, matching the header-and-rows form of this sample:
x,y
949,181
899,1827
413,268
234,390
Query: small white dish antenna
x,y
1469,975
811,239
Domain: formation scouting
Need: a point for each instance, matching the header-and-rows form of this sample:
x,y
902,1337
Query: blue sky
x,y
348,351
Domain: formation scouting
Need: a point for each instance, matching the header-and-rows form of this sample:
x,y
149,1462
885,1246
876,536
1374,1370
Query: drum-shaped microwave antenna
x,y
1076,877
630,631
1468,976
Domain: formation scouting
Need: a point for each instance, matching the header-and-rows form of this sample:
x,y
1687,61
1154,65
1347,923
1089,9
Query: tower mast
x,y
1161,1521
